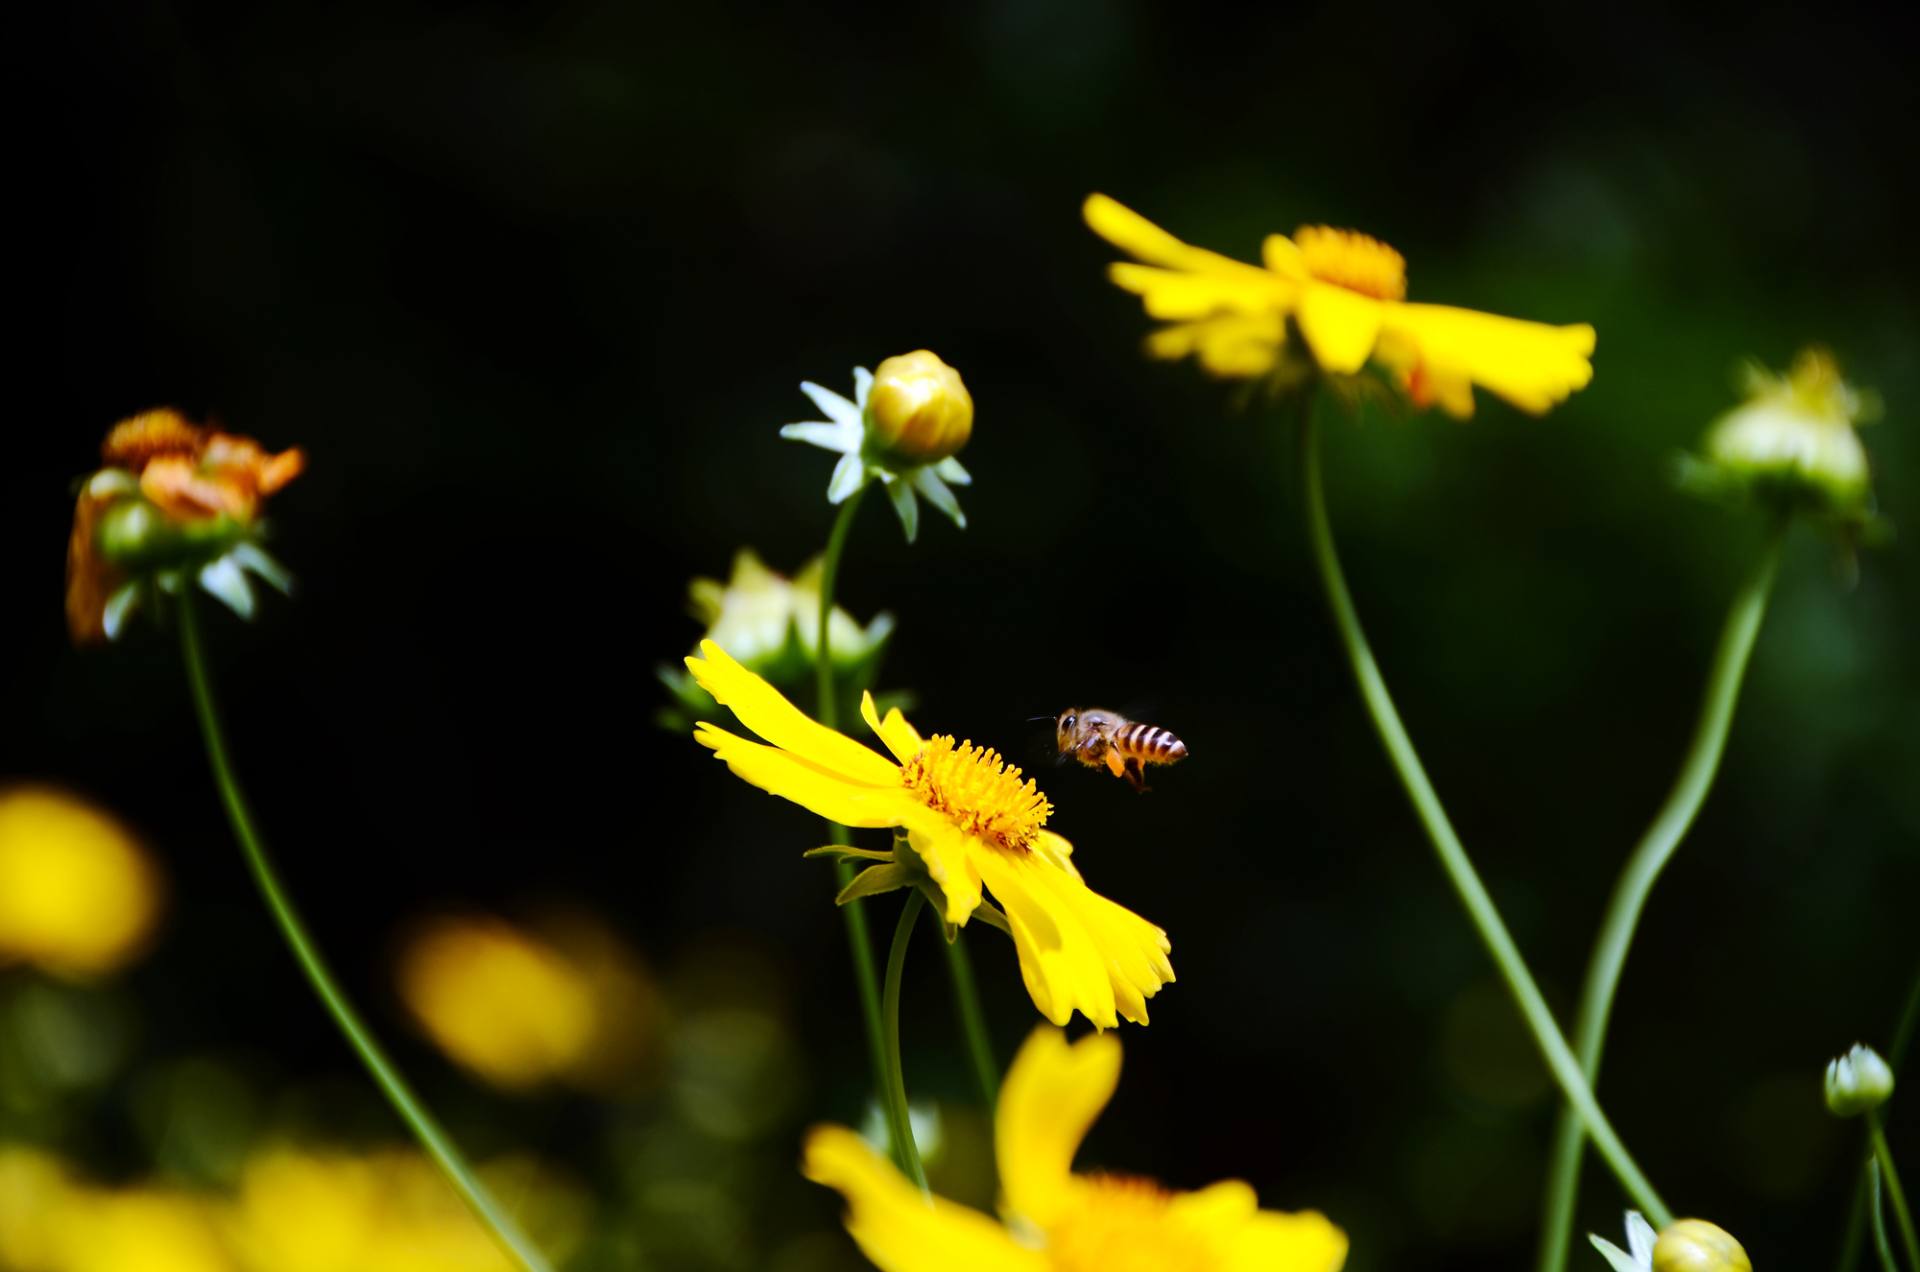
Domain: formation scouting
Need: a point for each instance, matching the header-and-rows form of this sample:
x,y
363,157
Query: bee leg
x,y
1135,777
1116,765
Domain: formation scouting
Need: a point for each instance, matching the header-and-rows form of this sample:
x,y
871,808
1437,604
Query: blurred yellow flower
x,y
918,410
1058,1221
970,820
49,1222
78,894
1346,294
1794,436
521,1009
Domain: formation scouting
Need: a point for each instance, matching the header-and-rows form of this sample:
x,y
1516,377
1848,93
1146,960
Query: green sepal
x,y
875,880
848,852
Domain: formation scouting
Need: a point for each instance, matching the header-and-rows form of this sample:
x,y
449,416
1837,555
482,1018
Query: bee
x,y
1097,737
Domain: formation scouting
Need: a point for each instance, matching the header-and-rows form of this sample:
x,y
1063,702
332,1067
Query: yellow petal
x,y
1052,1094
1231,346
900,1228
949,854
900,737
762,709
1166,293
1273,1241
1282,256
1340,326
1531,364
816,789
1142,239
1078,951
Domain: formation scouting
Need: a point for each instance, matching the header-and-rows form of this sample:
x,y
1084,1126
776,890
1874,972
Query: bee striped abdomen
x,y
1150,744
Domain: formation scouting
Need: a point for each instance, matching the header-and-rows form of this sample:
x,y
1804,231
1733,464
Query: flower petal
x,y
928,483
951,471
1167,293
833,437
900,737
949,854
1617,1258
906,505
1142,239
1340,326
862,385
814,788
1078,951
1273,1241
1231,346
1531,364
848,476
1641,1238
1051,1096
761,708
832,405
900,1228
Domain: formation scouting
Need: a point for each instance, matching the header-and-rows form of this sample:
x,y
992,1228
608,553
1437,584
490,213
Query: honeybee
x,y
1098,737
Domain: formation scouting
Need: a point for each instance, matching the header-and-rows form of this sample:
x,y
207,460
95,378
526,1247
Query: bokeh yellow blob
x,y
498,1000
78,894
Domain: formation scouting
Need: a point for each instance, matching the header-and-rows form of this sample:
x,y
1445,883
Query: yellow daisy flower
x,y
1346,294
1058,1221
971,822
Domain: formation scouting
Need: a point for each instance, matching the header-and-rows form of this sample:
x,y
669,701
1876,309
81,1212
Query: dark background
x,y
535,291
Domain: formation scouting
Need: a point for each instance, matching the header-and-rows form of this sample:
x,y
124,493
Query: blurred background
x,y
535,290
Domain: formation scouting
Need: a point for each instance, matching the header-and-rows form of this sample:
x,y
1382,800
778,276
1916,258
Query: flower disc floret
x,y
978,790
1358,262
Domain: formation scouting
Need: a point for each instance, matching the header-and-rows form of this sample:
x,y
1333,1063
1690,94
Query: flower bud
x,y
1858,1082
1694,1245
1794,435
918,411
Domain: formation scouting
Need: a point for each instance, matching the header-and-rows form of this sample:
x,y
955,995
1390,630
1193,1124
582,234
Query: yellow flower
x,y
520,1009
78,895
51,1222
970,820
1346,295
1058,1221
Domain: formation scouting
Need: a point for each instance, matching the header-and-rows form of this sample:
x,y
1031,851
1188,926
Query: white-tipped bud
x,y
1858,1082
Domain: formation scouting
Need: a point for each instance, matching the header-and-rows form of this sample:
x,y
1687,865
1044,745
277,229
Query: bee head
x,y
1064,726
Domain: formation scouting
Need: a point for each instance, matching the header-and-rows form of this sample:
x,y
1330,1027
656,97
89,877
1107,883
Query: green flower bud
x,y
135,536
1694,1245
918,411
1793,438
1858,1082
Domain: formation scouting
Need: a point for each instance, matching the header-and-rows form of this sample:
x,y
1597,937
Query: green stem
x,y
973,1022
1636,882
388,1078
1453,857
1896,1194
1881,1246
906,1152
866,978
1903,1032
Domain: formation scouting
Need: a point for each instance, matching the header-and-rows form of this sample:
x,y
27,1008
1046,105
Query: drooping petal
x,y
904,504
953,472
900,737
928,483
762,709
815,788
1177,294
1531,364
833,437
848,476
832,405
1052,1094
900,1228
1078,951
1340,326
1143,240
1231,346
950,856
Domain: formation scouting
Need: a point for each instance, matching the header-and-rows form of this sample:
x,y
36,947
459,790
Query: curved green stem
x,y
906,1152
1453,857
388,1078
827,708
1855,1234
973,1021
1636,882
1881,1245
1890,1178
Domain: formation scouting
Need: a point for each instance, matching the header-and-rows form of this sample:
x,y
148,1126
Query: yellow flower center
x,y
1355,261
979,791
1124,1224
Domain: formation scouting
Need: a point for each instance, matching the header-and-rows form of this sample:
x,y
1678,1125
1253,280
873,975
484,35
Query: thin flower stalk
x,y
1890,1181
890,1008
1649,858
422,1123
1453,856
1856,1229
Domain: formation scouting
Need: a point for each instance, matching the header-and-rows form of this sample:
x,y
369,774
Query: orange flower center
x,y
1355,261
1126,1224
978,791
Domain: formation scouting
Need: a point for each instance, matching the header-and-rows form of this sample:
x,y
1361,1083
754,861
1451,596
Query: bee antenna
x,y
1031,719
